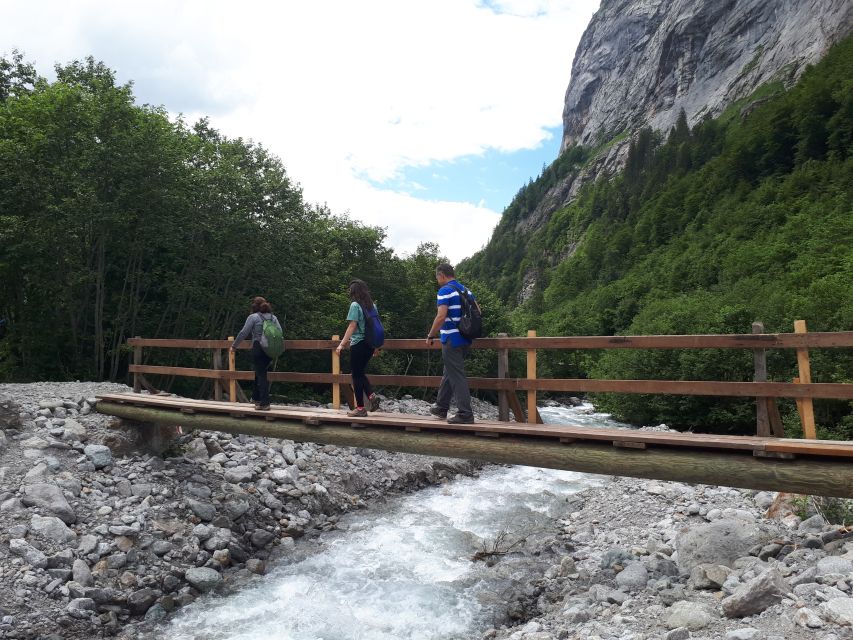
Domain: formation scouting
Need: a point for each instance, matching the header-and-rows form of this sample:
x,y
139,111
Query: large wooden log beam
x,y
827,477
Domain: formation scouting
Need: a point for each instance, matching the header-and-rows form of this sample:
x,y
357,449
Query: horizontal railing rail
x,y
801,389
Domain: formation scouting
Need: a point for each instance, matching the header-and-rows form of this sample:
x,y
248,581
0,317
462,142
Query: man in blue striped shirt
x,y
454,348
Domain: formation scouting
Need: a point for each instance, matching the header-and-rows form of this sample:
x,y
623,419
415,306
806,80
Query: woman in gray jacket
x,y
261,310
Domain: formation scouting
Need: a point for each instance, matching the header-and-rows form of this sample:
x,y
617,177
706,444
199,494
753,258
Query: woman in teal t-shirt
x,y
361,352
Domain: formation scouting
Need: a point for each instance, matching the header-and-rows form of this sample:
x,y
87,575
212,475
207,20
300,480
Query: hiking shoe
x,y
374,403
438,412
457,419
359,412
262,407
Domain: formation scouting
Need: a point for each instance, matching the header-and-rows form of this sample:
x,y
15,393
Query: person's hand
x,y
377,352
429,340
232,349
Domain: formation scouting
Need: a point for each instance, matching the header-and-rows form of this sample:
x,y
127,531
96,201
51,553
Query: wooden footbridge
x,y
765,461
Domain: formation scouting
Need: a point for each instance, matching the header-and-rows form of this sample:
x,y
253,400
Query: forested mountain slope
x,y
743,217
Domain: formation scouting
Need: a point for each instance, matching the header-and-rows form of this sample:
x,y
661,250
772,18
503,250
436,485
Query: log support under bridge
x,y
815,475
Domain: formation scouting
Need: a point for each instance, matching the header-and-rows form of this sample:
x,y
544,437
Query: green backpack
x,y
272,339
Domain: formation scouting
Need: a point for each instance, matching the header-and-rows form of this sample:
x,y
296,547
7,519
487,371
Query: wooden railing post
x,y
807,414
217,383
503,369
336,369
137,360
759,357
531,375
232,366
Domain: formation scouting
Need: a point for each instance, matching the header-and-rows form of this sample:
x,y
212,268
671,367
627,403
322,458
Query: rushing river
x,y
402,571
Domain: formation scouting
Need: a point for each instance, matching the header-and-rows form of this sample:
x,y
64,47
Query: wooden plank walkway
x,y
567,434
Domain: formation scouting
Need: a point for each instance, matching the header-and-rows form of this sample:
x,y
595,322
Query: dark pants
x,y
261,362
454,384
360,355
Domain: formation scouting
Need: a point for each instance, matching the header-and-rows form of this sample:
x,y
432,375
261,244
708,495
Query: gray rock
x,y
52,528
235,507
682,633
834,564
88,543
807,618
633,578
50,498
161,547
196,450
236,475
156,614
747,633
203,578
81,608
81,574
708,576
613,557
692,615
142,490
720,542
140,601
261,538
756,595
74,431
815,523
839,611
203,510
30,554
99,455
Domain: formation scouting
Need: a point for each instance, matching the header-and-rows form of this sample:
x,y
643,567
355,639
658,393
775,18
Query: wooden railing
x,y
768,421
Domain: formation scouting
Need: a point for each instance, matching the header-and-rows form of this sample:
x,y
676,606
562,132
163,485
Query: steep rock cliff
x,y
641,61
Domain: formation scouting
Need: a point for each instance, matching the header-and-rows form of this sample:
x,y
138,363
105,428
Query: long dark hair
x,y
359,292
260,305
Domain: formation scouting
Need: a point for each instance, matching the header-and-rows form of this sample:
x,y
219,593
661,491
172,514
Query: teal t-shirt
x,y
356,313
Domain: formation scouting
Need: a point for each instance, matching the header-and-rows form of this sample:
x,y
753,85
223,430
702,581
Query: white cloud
x,y
342,91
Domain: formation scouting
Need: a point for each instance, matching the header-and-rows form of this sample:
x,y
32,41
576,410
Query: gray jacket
x,y
255,327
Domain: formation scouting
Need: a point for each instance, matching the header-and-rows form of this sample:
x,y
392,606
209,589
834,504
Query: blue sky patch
x,y
490,179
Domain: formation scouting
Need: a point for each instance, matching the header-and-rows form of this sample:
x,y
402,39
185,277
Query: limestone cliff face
x,y
641,61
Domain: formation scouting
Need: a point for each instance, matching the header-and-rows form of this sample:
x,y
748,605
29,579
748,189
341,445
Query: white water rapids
x,y
403,570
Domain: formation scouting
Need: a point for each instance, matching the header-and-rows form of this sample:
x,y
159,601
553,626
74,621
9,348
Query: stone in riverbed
x,y
839,611
140,601
756,595
720,542
203,578
29,553
52,528
99,455
688,614
633,578
236,475
50,498
81,574
203,510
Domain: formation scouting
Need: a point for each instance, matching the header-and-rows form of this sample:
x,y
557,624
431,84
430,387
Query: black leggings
x,y
261,362
360,355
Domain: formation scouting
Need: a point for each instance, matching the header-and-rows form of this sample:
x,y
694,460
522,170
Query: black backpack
x,y
471,323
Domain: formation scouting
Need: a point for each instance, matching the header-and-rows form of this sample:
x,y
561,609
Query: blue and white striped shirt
x,y
449,295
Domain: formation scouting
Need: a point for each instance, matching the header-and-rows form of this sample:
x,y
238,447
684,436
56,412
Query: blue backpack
x,y
374,332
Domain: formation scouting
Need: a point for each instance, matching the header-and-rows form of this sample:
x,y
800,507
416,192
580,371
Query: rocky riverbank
x,y
100,538
650,560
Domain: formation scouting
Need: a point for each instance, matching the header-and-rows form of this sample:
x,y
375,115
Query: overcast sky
x,y
421,117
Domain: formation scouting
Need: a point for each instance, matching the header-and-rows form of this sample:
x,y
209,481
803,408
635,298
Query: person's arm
x,y
347,336
440,317
244,332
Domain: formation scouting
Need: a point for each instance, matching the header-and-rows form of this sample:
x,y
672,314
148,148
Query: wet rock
x,y
256,566
756,595
261,538
50,498
140,601
202,578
